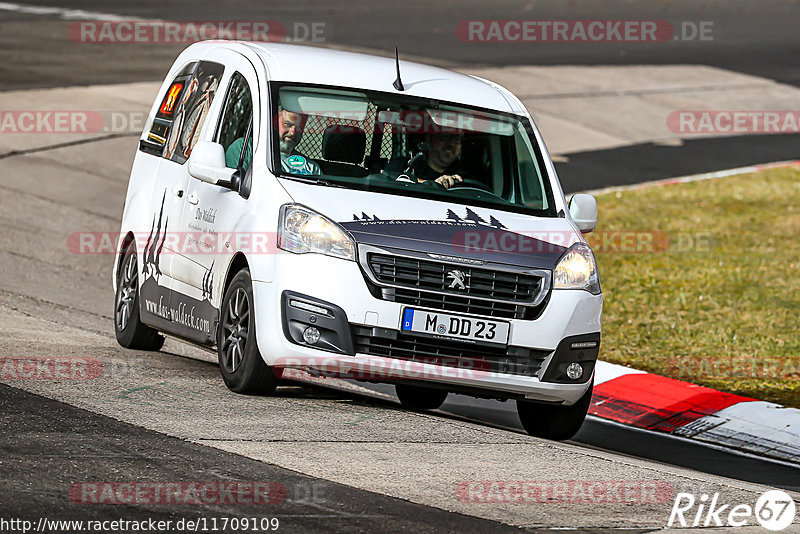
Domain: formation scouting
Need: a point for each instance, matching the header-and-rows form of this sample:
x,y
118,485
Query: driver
x,y
440,163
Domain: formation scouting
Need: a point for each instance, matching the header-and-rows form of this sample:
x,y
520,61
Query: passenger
x,y
235,151
290,131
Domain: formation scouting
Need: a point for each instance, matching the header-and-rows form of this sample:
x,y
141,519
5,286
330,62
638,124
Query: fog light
x,y
574,371
311,336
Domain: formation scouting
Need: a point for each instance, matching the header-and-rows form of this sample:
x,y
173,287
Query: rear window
x,y
183,110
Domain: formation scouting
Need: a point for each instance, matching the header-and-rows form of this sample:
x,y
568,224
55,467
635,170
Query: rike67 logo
x,y
774,510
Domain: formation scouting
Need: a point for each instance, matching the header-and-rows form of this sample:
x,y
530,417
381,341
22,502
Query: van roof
x,y
316,65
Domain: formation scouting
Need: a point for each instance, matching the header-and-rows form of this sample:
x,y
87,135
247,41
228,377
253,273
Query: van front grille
x,y
458,288
468,356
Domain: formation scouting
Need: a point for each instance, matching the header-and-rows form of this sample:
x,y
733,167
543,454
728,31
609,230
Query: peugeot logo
x,y
458,279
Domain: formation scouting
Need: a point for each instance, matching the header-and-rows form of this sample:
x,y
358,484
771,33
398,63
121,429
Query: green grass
x,y
723,312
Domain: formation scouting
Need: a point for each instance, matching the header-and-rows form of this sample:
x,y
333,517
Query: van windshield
x,y
395,144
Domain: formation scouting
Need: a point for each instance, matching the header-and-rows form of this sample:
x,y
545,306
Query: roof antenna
x,y
398,83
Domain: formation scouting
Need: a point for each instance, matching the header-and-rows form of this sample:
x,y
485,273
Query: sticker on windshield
x,y
296,162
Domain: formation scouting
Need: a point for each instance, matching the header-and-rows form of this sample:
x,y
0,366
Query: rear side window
x,y
183,111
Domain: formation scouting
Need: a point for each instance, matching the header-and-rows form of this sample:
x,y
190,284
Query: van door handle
x,y
193,199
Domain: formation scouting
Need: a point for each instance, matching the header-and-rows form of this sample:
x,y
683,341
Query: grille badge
x,y
459,279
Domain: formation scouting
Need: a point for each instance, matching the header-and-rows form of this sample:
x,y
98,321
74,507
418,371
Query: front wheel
x,y
554,422
131,333
240,362
419,398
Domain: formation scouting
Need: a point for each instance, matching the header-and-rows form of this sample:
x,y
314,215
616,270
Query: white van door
x,y
173,137
211,212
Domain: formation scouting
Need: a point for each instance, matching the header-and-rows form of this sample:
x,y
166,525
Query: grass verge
x,y
701,282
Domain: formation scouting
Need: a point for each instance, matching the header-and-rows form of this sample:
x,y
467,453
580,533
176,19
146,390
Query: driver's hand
x,y
449,180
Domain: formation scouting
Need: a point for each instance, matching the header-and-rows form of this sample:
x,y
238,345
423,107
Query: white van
x,y
303,208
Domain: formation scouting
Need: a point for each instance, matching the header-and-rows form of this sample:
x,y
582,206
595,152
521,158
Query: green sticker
x,y
296,161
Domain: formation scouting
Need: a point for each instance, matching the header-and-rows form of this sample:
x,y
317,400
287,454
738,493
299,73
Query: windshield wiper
x,y
311,180
328,183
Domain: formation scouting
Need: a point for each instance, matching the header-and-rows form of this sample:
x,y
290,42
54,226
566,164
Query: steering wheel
x,y
474,185
467,183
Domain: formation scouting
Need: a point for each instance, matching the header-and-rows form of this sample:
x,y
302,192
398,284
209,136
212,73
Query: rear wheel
x,y
553,422
240,362
131,333
420,398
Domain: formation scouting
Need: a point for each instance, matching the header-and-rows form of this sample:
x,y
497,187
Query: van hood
x,y
450,230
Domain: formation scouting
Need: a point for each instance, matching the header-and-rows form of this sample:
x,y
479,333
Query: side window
x,y
235,124
165,116
191,109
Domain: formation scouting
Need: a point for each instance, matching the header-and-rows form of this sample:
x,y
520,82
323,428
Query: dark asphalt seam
x,y
90,172
65,144
65,307
51,201
60,266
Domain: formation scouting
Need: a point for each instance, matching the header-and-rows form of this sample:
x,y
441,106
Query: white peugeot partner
x,y
303,208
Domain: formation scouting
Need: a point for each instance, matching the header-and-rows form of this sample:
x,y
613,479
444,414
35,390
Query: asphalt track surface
x,y
646,162
57,444
55,303
599,434
50,438
747,36
755,37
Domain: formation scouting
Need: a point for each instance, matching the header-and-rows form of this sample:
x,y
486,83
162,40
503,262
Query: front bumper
x,y
341,284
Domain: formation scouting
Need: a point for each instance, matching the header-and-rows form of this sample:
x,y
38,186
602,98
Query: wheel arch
x,y
238,263
124,243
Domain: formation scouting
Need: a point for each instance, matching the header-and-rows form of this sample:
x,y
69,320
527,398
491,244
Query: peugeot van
x,y
298,208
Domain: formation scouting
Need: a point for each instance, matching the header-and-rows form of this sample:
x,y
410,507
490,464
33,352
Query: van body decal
x,y
169,310
469,236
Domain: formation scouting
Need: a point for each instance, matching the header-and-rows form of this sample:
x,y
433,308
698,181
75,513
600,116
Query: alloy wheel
x,y
235,327
127,293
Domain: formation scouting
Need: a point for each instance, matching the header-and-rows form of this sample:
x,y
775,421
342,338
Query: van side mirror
x,y
207,164
583,210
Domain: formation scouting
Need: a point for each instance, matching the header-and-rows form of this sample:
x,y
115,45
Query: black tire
x,y
419,398
240,362
554,422
128,327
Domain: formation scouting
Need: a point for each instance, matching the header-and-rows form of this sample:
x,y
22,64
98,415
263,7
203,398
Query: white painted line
x,y
696,177
760,427
64,13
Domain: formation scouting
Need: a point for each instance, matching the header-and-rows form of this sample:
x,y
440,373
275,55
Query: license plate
x,y
455,326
